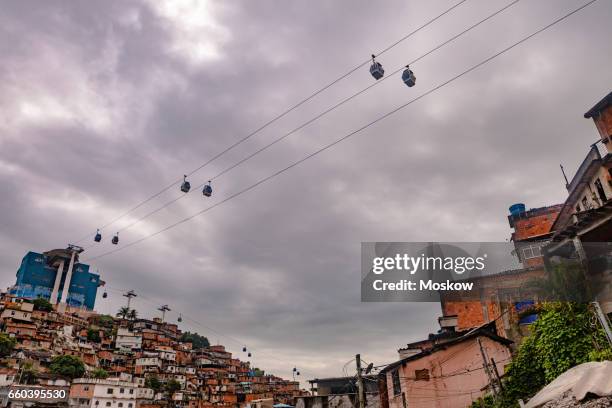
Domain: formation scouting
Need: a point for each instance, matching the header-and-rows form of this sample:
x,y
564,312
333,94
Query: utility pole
x,y
360,388
164,309
603,320
487,369
129,295
499,381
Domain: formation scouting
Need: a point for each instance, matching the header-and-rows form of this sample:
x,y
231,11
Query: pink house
x,y
447,375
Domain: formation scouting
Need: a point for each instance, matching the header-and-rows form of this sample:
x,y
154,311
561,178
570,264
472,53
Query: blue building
x,y
45,275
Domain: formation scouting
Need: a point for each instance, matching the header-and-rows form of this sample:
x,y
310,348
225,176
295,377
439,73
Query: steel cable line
x,y
278,117
317,117
347,136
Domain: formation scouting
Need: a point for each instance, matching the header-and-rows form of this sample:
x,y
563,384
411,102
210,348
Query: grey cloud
x,y
278,267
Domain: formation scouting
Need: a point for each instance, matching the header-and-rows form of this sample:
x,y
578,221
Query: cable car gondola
x,y
408,77
115,239
105,295
98,236
186,186
376,69
180,318
244,349
207,190
249,354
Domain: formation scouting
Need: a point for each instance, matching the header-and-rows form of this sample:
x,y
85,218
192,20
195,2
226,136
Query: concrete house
x,y
450,374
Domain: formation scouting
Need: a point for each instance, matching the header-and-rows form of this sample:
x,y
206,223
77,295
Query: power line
x,y
279,116
337,141
320,115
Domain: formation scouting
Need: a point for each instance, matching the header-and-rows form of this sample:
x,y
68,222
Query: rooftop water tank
x,y
516,209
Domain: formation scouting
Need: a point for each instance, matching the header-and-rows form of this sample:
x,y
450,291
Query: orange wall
x,y
604,125
534,226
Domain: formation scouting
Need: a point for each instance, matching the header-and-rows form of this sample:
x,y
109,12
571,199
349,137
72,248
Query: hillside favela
x,y
53,342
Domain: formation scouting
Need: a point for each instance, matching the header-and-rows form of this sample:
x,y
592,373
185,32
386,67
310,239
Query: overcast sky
x,y
104,103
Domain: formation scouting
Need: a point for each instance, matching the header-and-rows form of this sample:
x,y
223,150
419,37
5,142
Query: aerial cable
x,y
276,118
320,115
347,136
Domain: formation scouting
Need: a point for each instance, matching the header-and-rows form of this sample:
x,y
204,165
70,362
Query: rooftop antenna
x,y
564,176
129,295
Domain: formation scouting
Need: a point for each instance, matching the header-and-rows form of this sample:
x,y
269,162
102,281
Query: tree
x,y
67,366
561,338
105,321
124,312
153,383
42,305
99,373
172,386
195,339
7,344
564,282
28,374
93,335
132,315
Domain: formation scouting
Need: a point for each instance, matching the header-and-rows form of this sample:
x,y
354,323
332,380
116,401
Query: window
x,y
122,390
86,388
600,191
531,251
109,390
421,375
97,403
397,388
120,405
131,390
108,404
130,405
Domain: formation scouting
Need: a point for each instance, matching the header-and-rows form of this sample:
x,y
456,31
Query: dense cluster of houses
x,y
130,352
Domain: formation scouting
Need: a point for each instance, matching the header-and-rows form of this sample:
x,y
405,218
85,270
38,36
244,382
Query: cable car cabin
x,y
376,69
408,77
98,236
244,349
186,186
105,295
207,190
115,239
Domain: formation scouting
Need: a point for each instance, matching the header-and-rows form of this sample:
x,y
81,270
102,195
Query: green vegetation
x,y
28,374
195,339
105,321
153,383
127,313
67,366
93,335
99,373
7,344
561,338
172,386
133,314
42,305
123,312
